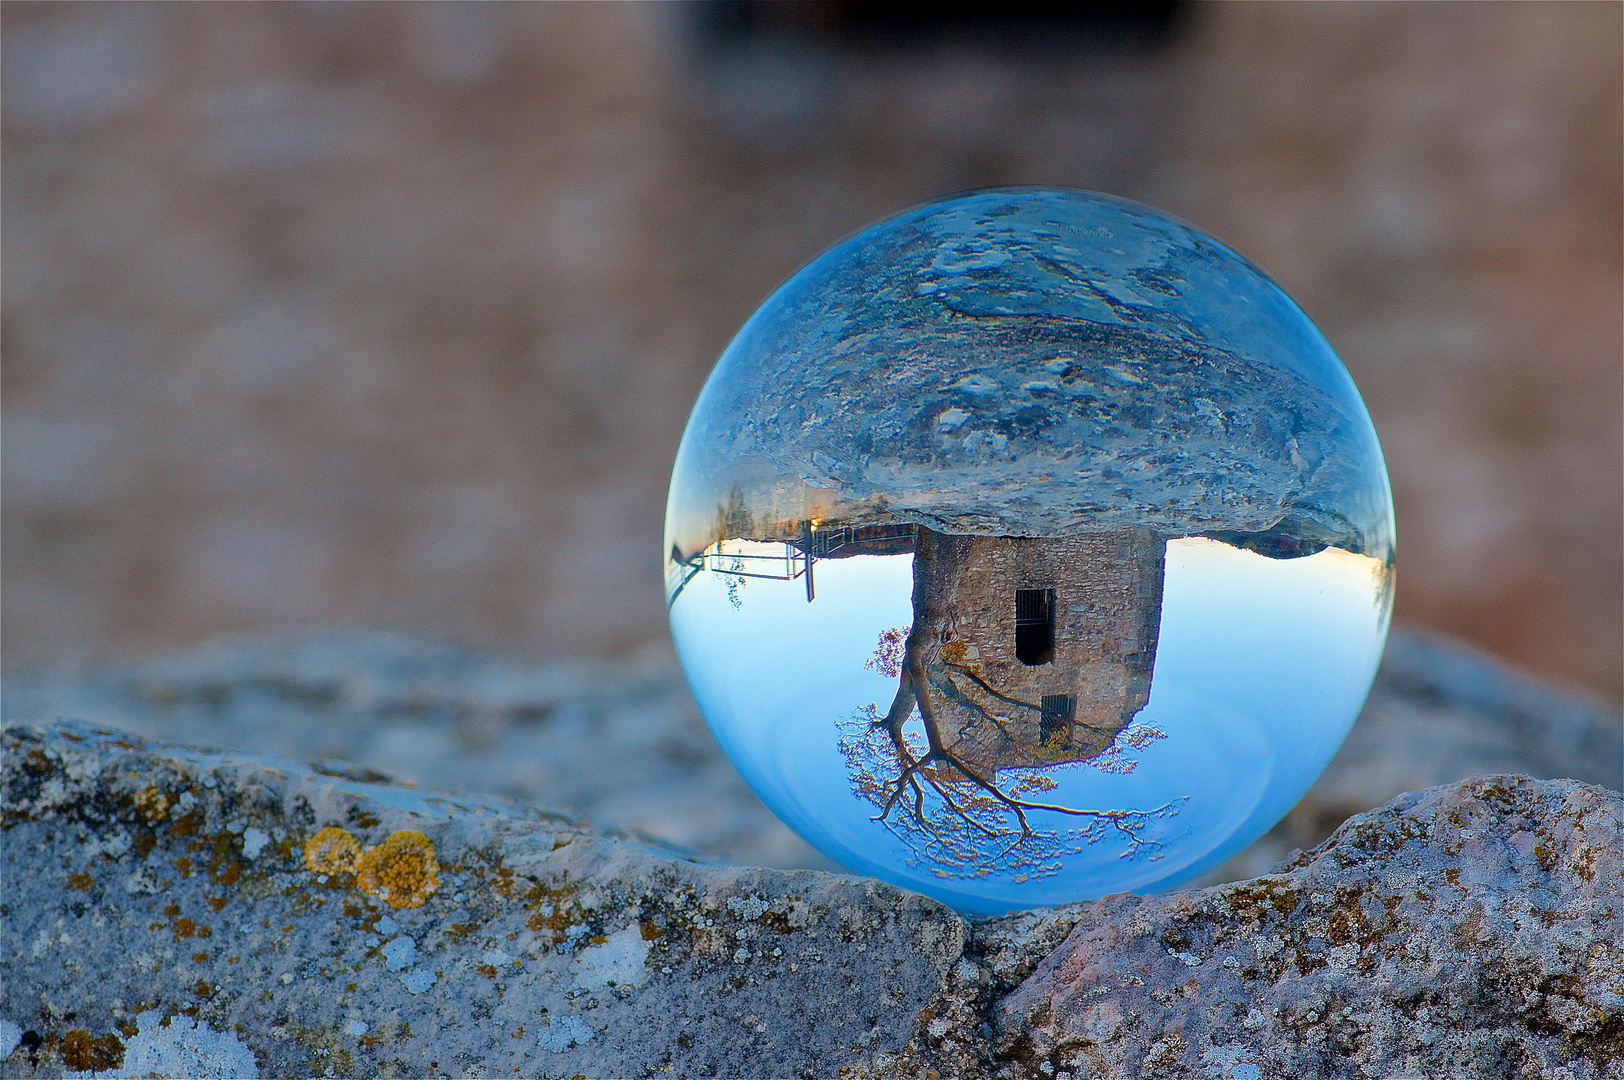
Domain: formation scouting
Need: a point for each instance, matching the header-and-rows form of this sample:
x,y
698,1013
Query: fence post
x,y
806,545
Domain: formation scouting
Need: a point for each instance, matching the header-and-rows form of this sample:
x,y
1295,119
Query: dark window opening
x,y
1034,626
1059,713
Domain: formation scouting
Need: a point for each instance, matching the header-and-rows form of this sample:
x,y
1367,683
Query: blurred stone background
x,y
390,316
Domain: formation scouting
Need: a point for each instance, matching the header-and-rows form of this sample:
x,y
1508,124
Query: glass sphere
x,y
1029,546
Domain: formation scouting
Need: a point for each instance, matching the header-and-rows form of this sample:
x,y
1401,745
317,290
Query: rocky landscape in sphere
x,y
1071,360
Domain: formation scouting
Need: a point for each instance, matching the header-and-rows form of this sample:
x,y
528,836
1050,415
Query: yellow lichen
x,y
332,851
153,804
401,870
83,1053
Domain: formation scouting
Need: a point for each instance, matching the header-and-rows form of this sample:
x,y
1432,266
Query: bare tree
x,y
970,796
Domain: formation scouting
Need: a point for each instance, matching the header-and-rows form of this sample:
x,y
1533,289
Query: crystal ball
x,y
1029,546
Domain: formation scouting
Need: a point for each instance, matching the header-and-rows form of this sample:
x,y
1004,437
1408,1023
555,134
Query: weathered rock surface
x,y
166,912
1471,930
147,883
622,744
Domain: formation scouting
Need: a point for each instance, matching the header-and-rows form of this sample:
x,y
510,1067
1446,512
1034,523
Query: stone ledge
x,y
150,881
166,913
1470,930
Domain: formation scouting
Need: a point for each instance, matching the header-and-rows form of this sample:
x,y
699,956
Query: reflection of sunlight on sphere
x,y
1029,546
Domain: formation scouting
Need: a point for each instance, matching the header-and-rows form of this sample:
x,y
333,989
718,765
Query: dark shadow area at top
x,y
873,24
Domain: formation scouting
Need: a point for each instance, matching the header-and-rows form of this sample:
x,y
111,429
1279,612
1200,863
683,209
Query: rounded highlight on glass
x,y
1029,546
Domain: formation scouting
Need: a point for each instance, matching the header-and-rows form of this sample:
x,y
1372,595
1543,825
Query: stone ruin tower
x,y
1038,651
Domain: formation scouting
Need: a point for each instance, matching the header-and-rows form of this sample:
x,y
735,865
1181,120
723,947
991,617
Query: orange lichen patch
x,y
80,882
184,865
153,804
81,1053
304,903
200,958
1254,900
556,908
225,869
185,928
218,902
332,851
1583,862
401,870
487,971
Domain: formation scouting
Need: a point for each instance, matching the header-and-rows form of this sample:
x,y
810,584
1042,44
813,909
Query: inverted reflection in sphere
x,y
1029,546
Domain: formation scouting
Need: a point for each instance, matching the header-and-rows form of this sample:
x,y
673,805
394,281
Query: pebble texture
x,y
176,912
1471,930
